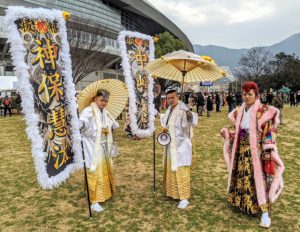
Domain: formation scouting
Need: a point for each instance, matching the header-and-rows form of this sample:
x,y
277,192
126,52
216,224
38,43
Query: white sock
x,y
96,207
265,219
183,204
185,201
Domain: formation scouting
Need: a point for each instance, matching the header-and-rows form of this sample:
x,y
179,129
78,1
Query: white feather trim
x,y
18,53
131,88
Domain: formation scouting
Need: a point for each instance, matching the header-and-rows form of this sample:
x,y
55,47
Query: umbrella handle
x,y
181,92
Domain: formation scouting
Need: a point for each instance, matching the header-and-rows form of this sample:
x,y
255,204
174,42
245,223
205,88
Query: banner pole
x,y
154,163
86,181
85,174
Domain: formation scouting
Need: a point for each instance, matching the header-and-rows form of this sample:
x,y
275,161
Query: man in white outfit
x,y
178,122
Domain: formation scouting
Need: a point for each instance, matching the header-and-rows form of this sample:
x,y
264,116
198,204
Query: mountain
x,y
290,45
230,57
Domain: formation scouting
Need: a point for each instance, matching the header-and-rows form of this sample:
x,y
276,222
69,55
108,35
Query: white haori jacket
x,y
92,121
180,130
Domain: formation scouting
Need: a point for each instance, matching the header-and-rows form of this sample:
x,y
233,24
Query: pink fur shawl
x,y
229,151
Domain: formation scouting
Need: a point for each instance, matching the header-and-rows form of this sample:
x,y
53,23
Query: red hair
x,y
247,86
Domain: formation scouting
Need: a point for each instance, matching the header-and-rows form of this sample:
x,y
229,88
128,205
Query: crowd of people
x,y
210,101
292,98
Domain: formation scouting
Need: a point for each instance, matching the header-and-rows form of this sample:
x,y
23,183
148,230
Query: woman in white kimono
x,y
178,121
97,127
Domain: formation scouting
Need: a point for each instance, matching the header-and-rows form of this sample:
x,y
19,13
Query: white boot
x,y
96,207
265,220
183,204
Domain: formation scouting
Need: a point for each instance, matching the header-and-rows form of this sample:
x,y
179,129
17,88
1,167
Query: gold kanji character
x,y
27,25
52,27
58,135
55,87
58,123
45,50
59,153
140,82
141,58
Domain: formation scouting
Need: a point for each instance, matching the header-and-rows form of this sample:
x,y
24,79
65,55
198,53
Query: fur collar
x,y
268,113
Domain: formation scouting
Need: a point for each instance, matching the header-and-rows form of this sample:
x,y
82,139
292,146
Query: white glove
x,y
115,125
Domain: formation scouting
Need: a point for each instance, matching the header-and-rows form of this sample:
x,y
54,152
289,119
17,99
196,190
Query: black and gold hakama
x,y
242,190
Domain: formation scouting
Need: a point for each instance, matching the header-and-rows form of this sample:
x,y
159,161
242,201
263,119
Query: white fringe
x,y
131,88
21,69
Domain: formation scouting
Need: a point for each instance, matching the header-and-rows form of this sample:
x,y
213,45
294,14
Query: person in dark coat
x,y
239,99
218,102
200,103
18,103
230,102
270,98
292,99
209,105
298,98
157,101
278,103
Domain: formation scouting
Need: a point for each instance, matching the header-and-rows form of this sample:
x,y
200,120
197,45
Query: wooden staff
x,y
85,173
154,163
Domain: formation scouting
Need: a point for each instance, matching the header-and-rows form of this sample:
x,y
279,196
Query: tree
x,y
286,71
86,47
167,43
283,70
254,64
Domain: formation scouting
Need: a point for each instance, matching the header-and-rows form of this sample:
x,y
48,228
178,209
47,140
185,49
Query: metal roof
x,y
148,10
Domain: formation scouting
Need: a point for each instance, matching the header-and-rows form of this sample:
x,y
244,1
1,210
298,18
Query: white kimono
x,y
180,130
92,121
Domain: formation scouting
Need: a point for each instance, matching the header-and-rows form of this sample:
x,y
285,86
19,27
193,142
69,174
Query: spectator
x,y
205,101
218,102
278,103
200,104
7,106
163,101
185,98
270,98
263,98
292,99
223,99
157,101
230,102
234,100
239,99
18,103
191,101
209,105
298,97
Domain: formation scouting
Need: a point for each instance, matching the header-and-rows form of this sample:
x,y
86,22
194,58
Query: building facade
x,y
106,18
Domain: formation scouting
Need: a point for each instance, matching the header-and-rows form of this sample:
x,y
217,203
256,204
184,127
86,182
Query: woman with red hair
x,y
254,166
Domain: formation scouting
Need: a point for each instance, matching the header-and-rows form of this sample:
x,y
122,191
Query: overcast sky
x,y
233,23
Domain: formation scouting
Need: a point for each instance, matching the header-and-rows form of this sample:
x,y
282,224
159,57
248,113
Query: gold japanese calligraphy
x,y
138,53
43,44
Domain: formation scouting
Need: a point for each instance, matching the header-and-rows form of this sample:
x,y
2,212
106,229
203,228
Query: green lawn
x,y
24,206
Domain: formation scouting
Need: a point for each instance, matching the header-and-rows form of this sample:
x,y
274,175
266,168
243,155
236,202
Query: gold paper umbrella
x,y
118,95
185,67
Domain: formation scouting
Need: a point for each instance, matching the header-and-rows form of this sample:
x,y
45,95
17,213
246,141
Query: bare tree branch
x,y
87,50
255,64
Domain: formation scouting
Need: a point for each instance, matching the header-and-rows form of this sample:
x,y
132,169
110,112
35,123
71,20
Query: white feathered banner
x,y
136,51
41,57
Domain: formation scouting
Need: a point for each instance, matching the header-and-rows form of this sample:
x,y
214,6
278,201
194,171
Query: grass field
x,y
24,206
